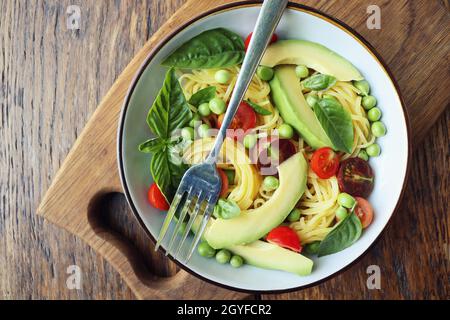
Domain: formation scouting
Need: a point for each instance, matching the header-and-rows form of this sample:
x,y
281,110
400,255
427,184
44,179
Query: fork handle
x,y
268,19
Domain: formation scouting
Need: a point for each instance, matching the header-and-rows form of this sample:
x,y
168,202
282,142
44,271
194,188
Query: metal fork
x,y
201,184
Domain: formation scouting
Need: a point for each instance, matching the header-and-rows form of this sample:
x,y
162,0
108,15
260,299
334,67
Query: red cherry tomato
x,y
356,177
285,237
156,198
224,178
244,120
249,37
364,211
325,163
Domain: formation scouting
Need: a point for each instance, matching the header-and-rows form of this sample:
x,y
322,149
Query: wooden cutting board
x,y
416,52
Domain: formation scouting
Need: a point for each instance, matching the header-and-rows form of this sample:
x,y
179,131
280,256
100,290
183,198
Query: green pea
x,y
265,73
187,133
205,250
373,150
231,174
222,76
378,129
312,99
285,131
368,102
363,155
223,256
313,247
250,141
236,261
374,114
182,228
341,213
346,200
294,215
217,106
301,71
203,130
271,183
195,121
204,110
363,87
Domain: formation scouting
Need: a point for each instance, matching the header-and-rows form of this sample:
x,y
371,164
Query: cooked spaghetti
x,y
319,202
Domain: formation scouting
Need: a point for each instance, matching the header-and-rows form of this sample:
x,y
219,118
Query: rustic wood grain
x,y
52,80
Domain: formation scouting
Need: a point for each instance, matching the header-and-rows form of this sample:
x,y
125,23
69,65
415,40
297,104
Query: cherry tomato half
x,y
244,120
364,211
156,198
285,237
224,178
325,163
356,177
249,37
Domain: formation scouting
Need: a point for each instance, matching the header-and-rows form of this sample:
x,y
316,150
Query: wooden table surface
x,y
52,80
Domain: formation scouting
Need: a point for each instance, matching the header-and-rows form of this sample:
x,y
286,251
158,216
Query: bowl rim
x,y
241,4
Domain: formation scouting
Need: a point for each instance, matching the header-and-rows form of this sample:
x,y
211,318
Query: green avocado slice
x,y
289,100
254,224
312,55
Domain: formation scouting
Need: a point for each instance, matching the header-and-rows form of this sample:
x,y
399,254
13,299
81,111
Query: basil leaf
x,y
258,109
165,173
319,82
214,48
202,96
152,145
347,232
170,111
337,123
313,247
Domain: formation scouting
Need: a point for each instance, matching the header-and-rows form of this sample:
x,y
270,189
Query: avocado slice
x,y
252,225
270,256
289,100
266,255
312,55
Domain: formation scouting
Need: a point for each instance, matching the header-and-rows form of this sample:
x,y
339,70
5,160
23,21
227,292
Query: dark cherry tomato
x,y
356,177
156,198
285,237
249,37
244,120
325,163
364,211
224,178
271,152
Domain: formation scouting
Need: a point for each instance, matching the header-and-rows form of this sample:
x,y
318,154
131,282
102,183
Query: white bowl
x,y
298,22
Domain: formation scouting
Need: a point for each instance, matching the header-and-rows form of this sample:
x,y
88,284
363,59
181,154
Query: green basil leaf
x,y
319,82
216,48
347,232
152,145
258,109
170,111
312,248
202,96
166,174
337,123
